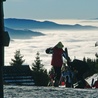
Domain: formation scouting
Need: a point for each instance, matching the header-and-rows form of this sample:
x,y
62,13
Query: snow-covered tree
x,y
37,65
18,59
39,72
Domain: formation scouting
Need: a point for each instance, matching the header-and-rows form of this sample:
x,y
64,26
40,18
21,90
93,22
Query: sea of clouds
x,y
80,44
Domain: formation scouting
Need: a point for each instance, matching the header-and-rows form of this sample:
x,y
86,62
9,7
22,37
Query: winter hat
x,y
60,45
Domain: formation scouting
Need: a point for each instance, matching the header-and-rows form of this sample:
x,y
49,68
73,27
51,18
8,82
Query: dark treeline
x,y
93,66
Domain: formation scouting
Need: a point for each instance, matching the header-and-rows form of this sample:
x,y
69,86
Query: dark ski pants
x,y
57,72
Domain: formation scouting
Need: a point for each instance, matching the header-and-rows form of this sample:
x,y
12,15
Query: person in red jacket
x,y
96,84
57,60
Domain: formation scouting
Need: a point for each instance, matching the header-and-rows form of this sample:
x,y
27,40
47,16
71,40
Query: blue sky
x,y
51,9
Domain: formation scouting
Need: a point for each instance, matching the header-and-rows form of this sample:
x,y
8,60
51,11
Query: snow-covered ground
x,y
89,79
50,92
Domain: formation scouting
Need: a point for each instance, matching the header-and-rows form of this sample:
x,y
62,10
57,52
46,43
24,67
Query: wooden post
x,y
1,47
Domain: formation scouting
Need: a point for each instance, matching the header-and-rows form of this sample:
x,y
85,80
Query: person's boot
x,y
56,83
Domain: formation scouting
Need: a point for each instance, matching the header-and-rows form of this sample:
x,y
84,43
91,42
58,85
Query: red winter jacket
x,y
57,57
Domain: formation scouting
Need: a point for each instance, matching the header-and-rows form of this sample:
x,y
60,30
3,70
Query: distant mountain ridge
x,y
25,28
95,19
22,34
33,24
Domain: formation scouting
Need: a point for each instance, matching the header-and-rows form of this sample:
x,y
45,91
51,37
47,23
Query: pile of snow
x,y
89,79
